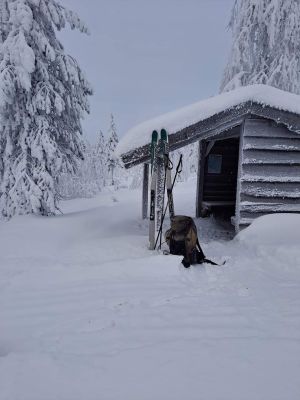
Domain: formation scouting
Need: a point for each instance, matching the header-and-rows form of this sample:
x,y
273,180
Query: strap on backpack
x,y
203,259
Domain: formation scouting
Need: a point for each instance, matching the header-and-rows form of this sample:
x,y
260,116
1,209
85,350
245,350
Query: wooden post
x,y
145,191
200,176
237,216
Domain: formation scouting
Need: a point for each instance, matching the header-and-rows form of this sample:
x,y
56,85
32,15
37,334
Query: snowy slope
x,y
87,312
184,117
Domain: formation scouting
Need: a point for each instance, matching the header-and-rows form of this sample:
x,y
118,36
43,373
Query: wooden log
x,y
276,144
271,189
256,209
269,200
279,170
145,198
270,178
266,128
271,157
273,193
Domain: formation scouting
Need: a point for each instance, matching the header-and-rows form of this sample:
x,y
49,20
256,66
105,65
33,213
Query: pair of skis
x,y
159,157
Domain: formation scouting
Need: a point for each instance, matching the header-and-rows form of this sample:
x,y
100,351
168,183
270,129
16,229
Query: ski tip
x,y
154,134
163,133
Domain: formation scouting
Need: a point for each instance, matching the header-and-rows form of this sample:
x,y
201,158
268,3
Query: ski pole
x,y
178,171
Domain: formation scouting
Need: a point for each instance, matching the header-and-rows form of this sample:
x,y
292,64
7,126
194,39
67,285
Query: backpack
x,y
182,239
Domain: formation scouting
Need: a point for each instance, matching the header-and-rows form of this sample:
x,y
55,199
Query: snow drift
x,y
273,229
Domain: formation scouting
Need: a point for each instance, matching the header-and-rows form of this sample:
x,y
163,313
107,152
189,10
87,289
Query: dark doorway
x,y
220,177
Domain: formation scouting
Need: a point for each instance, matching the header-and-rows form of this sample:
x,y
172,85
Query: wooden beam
x,y
237,216
200,176
145,198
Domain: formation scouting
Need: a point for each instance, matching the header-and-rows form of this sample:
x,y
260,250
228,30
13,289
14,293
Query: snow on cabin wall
x,y
269,170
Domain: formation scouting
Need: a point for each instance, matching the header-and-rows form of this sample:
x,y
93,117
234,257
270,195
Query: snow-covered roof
x,y
173,122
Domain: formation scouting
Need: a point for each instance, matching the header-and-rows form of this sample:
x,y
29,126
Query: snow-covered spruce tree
x,y
84,183
100,158
266,45
113,163
86,176
43,96
4,17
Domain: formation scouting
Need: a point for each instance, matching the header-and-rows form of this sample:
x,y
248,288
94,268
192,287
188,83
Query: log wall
x,y
269,170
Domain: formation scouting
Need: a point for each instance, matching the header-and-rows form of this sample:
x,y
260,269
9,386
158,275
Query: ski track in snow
x,y
87,312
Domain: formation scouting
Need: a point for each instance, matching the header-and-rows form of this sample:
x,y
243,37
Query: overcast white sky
x,y
147,57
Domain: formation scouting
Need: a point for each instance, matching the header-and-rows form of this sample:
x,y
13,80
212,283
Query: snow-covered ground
x,y
88,313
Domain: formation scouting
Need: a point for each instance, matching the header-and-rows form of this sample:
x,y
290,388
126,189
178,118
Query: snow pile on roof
x,y
184,117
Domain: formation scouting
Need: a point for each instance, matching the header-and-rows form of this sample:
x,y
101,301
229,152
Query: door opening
x,y
220,178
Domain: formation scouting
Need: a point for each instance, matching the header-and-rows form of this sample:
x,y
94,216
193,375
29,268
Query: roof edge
x,y
213,126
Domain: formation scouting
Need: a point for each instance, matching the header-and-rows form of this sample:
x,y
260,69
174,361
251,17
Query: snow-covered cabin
x,y
249,150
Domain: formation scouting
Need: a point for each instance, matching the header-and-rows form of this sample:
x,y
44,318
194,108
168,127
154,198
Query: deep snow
x,y
87,312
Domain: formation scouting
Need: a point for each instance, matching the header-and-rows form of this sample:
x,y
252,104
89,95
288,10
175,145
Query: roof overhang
x,y
213,127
